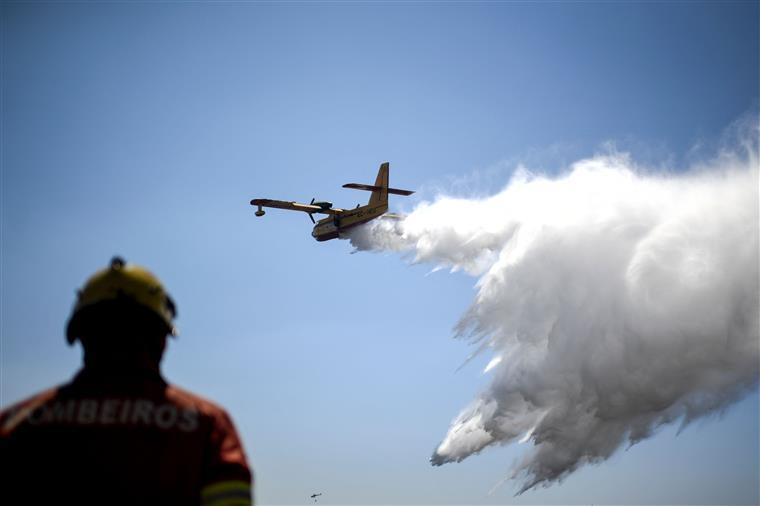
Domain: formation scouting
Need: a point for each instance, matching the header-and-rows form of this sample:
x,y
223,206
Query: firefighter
x,y
118,433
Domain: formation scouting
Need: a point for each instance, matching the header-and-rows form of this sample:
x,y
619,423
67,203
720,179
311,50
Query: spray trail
x,y
613,300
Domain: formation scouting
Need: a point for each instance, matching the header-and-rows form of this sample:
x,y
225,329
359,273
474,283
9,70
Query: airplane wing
x,y
294,206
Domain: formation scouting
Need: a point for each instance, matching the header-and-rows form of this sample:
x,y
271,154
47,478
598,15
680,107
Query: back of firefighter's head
x,y
122,315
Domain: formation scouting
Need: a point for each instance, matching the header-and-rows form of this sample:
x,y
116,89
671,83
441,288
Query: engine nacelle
x,y
260,212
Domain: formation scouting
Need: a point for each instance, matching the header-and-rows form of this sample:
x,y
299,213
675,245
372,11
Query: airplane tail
x,y
380,194
380,189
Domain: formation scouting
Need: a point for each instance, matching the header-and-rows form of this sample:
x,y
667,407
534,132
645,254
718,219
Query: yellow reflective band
x,y
224,486
227,493
230,502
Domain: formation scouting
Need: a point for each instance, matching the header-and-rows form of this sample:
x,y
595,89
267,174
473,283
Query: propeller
x,y
310,216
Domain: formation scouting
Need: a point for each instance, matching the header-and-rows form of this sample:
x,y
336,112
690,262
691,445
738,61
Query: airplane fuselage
x,y
332,226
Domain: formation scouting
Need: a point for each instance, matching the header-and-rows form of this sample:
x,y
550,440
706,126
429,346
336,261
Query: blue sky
x,y
144,129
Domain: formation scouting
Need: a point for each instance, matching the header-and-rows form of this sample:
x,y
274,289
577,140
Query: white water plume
x,y
616,299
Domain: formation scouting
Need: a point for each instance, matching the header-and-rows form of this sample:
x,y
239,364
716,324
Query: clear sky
x,y
143,129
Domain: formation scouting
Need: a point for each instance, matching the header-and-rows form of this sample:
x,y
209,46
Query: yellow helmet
x,y
122,280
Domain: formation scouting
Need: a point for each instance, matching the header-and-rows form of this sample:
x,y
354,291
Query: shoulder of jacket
x,y
191,400
12,415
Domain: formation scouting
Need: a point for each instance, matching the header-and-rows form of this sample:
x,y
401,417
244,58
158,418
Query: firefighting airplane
x,y
341,220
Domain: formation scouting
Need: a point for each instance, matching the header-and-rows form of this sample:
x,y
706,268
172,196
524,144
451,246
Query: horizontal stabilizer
x,y
372,188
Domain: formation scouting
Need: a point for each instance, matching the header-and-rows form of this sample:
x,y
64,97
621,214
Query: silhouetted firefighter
x,y
118,433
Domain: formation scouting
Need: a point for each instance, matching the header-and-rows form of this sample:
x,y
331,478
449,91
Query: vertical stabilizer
x,y
381,195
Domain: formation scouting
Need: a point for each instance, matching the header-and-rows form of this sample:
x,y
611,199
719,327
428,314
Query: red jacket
x,y
121,440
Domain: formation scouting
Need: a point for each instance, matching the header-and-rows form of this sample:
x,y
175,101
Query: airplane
x,y
341,220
